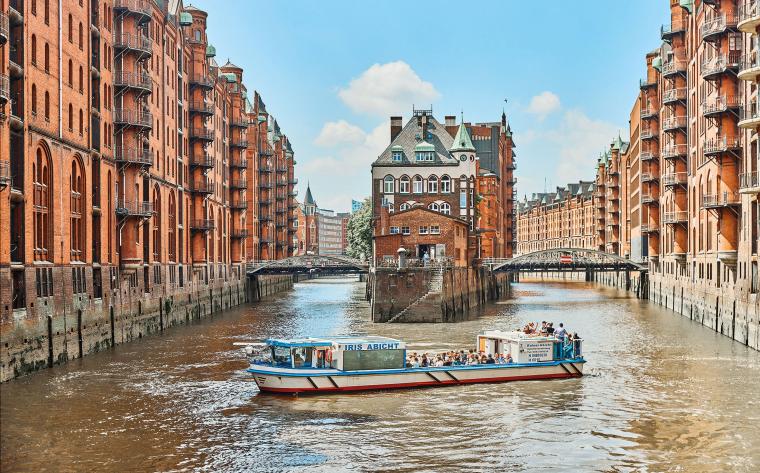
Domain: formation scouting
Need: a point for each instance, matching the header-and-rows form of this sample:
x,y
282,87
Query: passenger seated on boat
x,y
509,358
550,328
490,360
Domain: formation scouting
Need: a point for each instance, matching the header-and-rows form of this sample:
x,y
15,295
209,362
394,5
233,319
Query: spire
x,y
462,141
309,199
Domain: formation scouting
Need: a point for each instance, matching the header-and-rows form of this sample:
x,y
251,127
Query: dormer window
x,y
397,155
425,156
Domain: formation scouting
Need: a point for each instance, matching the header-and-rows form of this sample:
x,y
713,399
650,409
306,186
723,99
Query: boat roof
x,y
328,341
513,335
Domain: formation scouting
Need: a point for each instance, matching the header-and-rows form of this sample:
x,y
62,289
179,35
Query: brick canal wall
x,y
406,295
730,310
64,330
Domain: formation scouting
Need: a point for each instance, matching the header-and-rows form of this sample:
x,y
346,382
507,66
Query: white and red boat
x,y
336,364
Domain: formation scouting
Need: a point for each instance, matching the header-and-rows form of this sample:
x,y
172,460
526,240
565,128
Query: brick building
x,y
462,171
129,163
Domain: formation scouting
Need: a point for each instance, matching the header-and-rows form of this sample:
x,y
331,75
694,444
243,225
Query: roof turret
x,y
462,141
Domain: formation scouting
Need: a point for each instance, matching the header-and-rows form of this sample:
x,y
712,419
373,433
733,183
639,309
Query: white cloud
x,y
340,132
543,104
388,89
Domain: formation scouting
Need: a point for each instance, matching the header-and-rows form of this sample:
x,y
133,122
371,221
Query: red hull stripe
x,y
420,384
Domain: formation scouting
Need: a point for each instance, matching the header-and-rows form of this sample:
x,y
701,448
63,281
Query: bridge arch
x,y
566,259
322,264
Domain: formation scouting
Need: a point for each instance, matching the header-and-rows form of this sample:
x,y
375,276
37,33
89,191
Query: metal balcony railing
x,y
266,151
649,112
749,65
202,161
5,90
135,80
293,181
5,173
202,80
749,117
265,185
720,104
238,184
125,116
674,151
238,143
3,27
674,94
132,42
647,198
676,217
142,157
239,204
202,134
201,107
141,7
648,177
649,133
202,224
713,27
240,123
749,16
676,65
674,179
724,199
674,123
239,163
203,187
646,83
265,168
721,144
134,208
238,233
648,155
676,26
749,180
721,63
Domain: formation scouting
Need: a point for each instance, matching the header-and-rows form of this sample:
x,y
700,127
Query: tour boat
x,y
358,363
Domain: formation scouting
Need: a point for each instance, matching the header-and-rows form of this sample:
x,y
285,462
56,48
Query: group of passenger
x,y
546,329
454,358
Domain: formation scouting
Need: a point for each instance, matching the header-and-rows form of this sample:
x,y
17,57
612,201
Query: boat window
x,y
281,355
373,360
302,357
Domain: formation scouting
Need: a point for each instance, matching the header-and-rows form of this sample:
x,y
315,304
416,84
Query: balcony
x,y
202,225
136,156
265,168
202,81
646,83
721,104
203,161
647,199
292,205
720,64
238,143
649,133
282,169
201,134
5,89
133,80
280,197
675,94
293,193
238,184
5,174
728,257
130,117
749,66
674,179
240,123
265,185
674,123
3,28
239,204
749,183
133,42
239,163
265,201
265,218
713,28
203,187
201,108
139,7
721,144
674,151
722,200
649,177
238,233
266,151
674,67
293,181
647,113
673,218
677,26
134,208
749,117
749,16
648,156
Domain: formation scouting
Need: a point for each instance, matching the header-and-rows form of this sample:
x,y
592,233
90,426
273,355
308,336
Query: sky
x,y
333,72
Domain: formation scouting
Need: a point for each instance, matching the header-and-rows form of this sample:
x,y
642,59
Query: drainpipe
x,y
60,70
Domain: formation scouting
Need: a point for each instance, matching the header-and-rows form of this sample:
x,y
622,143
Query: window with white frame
x,y
425,156
394,230
405,230
433,184
435,229
446,208
403,185
397,156
388,185
404,206
390,207
417,185
423,230
445,185
434,206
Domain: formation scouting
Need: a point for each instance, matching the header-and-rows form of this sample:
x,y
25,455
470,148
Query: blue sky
x,y
332,72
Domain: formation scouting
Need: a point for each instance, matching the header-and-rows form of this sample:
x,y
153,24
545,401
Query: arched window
x,y
81,81
71,74
388,185
34,50
47,57
47,105
156,224
81,36
417,186
404,185
47,12
71,118
71,29
41,173
445,184
446,208
172,225
434,206
34,99
81,122
77,210
433,184
404,206
220,238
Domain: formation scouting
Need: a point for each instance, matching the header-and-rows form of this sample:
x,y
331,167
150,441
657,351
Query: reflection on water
x,y
661,394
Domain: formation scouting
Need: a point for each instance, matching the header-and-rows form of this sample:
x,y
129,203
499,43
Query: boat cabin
x,y
340,353
527,348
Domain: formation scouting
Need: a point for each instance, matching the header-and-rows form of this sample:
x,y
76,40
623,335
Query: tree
x,y
359,232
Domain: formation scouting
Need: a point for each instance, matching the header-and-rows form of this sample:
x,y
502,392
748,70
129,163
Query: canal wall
x,y
415,295
65,328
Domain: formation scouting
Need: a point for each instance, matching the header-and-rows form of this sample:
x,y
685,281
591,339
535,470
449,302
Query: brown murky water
x,y
662,394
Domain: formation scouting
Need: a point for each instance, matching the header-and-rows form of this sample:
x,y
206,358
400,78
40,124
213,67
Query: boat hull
x,y
317,381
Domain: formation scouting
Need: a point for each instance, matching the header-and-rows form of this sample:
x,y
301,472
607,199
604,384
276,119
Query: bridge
x,y
308,264
565,260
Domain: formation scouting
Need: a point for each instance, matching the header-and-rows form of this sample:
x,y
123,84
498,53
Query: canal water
x,y
661,394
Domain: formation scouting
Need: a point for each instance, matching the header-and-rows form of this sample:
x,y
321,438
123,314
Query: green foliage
x,y
359,232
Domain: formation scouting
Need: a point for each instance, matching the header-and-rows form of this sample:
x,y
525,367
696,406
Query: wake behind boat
x,y
358,363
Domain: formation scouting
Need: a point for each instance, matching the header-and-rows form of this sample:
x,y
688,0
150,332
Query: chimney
x,y
396,126
451,124
425,120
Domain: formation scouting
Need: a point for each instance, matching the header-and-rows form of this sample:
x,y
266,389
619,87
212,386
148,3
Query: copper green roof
x,y
210,51
462,141
185,19
424,146
397,148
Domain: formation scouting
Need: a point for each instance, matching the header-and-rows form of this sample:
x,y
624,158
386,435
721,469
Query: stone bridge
x,y
308,264
565,259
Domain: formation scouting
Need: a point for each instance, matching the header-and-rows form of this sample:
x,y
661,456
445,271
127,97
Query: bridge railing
x,y
432,263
